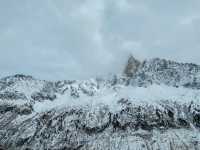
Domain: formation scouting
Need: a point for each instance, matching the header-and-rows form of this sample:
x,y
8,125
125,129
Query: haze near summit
x,y
86,38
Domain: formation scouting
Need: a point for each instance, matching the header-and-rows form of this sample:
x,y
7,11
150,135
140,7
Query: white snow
x,y
26,87
151,95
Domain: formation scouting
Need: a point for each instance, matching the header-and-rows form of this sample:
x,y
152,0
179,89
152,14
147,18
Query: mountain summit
x,y
154,106
131,66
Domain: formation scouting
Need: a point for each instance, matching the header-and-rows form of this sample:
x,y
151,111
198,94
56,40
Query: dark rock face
x,y
71,128
39,96
132,66
12,95
2,148
22,110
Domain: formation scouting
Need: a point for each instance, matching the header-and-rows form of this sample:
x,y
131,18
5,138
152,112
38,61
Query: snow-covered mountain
x,y
154,105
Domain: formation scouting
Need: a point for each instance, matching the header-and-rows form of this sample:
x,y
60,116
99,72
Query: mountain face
x,y
132,66
155,107
161,71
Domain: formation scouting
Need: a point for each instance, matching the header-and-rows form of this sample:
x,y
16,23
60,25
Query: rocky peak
x,y
131,66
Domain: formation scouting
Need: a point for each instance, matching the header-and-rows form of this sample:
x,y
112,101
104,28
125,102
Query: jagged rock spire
x,y
131,66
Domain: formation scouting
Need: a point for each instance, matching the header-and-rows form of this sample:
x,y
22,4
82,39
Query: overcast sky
x,y
79,39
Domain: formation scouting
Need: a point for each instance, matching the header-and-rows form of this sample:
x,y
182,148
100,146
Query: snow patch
x,y
151,95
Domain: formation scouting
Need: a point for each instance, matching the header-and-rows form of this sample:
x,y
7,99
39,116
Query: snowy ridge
x,y
161,71
158,107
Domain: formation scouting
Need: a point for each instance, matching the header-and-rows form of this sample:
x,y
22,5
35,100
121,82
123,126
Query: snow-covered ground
x,y
151,95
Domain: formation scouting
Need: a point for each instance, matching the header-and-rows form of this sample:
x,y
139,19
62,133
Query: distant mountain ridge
x,y
153,105
162,71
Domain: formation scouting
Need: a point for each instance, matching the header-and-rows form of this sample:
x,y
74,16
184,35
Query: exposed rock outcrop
x,y
131,66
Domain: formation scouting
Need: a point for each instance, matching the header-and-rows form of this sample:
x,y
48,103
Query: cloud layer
x,y
84,38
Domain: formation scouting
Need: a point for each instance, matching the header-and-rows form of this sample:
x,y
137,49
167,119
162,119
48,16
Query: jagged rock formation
x,y
131,66
155,107
161,71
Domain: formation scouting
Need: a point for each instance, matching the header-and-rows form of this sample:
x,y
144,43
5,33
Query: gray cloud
x,y
84,38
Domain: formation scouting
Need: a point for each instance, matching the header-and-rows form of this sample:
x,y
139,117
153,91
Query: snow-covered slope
x,y
158,107
161,71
